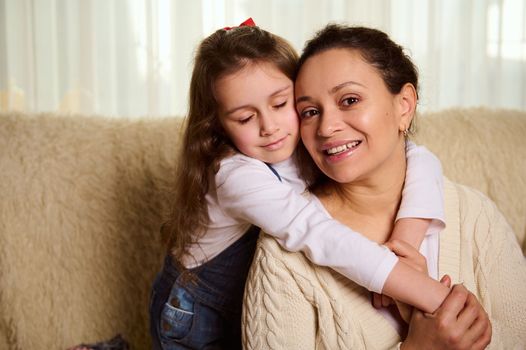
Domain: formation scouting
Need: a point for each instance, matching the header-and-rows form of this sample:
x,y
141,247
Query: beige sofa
x,y
82,198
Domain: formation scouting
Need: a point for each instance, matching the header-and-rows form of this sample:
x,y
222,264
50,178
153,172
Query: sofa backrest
x,y
81,203
484,149
82,199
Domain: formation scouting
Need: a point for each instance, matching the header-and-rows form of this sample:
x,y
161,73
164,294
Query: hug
x,y
304,216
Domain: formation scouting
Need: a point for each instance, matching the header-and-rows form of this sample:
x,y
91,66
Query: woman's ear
x,y
407,98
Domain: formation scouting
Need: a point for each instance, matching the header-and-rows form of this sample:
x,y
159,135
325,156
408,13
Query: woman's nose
x,y
329,123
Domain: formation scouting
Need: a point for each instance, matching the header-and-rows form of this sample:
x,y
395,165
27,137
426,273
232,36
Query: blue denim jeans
x,y
204,313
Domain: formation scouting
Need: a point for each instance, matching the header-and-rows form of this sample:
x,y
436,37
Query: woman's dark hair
x,y
377,49
375,46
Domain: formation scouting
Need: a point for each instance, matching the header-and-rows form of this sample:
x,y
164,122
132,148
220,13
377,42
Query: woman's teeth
x,y
342,148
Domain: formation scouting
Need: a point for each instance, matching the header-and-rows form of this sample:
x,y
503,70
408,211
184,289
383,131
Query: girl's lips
x,y
275,145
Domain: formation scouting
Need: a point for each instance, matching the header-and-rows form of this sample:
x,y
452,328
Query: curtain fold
x,y
133,58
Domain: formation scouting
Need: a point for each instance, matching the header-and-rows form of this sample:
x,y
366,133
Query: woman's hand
x,y
459,323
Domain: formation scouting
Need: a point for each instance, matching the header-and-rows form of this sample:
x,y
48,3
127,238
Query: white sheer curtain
x,y
134,57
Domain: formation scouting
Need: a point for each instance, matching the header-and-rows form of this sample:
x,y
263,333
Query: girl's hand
x,y
459,323
410,256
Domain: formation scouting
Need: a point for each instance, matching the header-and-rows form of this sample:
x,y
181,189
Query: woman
x,y
356,94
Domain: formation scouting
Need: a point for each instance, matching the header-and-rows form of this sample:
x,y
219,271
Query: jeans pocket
x,y
177,315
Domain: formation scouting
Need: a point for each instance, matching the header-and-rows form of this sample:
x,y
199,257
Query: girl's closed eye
x,y
245,120
280,105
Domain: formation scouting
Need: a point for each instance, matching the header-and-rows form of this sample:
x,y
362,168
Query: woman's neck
x,y
370,205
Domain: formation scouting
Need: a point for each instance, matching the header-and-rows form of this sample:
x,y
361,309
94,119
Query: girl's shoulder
x,y
239,163
244,164
240,171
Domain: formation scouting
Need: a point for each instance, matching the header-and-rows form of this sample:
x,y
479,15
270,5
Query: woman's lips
x,y
336,153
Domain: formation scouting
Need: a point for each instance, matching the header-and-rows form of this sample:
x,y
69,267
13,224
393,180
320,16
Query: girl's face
x,y
350,123
257,112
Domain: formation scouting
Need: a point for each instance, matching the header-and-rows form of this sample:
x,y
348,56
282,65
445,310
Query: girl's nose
x,y
267,125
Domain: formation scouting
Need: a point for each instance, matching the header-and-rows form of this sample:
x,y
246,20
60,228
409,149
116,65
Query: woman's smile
x,y
339,151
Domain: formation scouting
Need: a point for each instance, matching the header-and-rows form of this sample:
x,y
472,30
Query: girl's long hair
x,y
204,141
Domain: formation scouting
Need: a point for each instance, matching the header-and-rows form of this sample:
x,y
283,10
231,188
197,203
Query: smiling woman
x,y
356,95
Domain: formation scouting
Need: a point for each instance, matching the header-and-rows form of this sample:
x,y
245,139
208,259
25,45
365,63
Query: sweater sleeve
x,y
422,196
276,313
500,274
247,190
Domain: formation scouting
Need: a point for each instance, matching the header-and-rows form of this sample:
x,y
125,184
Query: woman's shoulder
x,y
472,208
271,256
268,246
468,198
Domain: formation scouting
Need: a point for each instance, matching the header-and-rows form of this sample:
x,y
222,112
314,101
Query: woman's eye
x,y
309,113
349,101
245,120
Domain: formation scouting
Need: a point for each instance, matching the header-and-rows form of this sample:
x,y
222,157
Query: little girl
x,y
238,175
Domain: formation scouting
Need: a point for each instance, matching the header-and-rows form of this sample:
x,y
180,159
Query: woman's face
x,y
350,123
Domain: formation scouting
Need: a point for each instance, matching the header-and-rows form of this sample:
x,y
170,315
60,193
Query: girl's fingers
x,y
446,280
408,254
386,301
377,300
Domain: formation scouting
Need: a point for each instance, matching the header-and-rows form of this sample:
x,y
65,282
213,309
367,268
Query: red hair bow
x,y
249,23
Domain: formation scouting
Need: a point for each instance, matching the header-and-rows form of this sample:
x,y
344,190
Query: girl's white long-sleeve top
x,y
247,192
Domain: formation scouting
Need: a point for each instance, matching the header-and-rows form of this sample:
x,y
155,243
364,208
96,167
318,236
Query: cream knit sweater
x,y
293,304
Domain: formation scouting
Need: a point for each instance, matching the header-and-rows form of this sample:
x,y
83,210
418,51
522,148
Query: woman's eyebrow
x,y
344,84
331,91
303,99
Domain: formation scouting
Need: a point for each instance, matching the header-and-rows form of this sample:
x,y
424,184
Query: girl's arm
x,y
422,203
410,230
422,206
247,190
